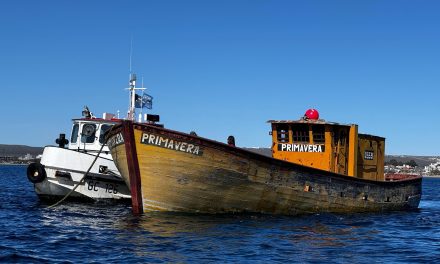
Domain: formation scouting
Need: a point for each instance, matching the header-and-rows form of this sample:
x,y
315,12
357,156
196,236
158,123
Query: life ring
x,y
36,172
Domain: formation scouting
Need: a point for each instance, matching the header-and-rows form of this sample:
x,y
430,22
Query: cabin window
x,y
301,133
88,133
104,129
74,137
283,133
318,134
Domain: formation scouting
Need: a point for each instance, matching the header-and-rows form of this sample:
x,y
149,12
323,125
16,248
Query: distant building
x,y
390,169
433,167
405,168
26,157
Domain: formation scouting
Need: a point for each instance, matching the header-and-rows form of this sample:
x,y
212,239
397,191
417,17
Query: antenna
x,y
131,50
133,97
132,86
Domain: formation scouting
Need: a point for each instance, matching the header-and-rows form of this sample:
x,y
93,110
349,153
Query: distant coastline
x,y
19,150
19,154
19,162
432,176
14,164
24,155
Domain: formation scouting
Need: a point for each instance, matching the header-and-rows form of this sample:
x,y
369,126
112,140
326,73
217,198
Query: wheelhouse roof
x,y
98,120
321,122
307,121
371,136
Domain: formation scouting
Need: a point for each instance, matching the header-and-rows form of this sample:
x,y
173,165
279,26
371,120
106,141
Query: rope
x,y
85,174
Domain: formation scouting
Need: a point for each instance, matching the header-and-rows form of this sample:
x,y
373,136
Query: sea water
x,y
109,233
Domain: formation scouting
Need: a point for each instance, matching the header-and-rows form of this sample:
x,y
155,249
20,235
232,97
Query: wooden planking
x,y
120,159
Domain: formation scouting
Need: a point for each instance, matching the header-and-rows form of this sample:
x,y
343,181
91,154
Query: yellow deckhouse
x,y
329,146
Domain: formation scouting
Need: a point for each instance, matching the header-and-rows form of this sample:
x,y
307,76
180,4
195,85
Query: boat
x,y
400,176
62,168
316,166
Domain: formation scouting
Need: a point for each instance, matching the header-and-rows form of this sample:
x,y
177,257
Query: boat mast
x,y
132,97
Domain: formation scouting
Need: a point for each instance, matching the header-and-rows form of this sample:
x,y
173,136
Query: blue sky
x,y
225,67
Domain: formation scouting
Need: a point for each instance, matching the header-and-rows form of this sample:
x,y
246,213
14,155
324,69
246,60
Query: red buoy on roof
x,y
312,114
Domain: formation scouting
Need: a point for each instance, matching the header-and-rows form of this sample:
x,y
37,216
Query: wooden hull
x,y
171,171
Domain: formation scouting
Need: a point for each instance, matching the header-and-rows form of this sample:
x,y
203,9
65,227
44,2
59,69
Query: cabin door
x,y
340,150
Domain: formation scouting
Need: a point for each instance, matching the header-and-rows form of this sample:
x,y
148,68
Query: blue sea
x,y
109,233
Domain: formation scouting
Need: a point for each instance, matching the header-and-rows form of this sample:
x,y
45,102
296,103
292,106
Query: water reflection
x,y
175,237
172,224
242,235
168,236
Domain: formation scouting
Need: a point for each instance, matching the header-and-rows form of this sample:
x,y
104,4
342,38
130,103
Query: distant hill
x,y
19,150
420,160
262,151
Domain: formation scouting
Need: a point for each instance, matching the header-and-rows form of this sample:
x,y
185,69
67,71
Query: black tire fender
x,y
36,172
